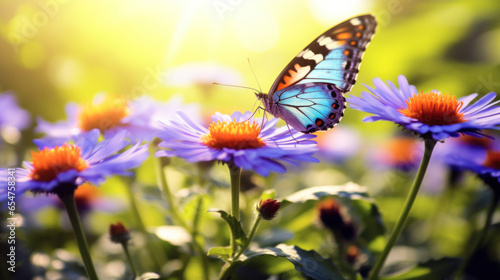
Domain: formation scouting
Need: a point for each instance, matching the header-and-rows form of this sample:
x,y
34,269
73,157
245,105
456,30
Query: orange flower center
x,y
104,115
492,159
233,135
48,163
85,194
434,109
401,151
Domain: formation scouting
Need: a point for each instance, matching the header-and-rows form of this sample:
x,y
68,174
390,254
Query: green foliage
x,y
430,270
310,263
234,225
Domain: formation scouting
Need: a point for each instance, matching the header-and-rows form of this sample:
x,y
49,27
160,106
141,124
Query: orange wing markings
x,y
294,75
343,36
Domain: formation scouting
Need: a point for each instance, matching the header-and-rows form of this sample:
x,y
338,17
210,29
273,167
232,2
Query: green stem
x,y
69,203
482,235
429,146
161,179
235,173
162,183
156,256
129,259
228,268
250,237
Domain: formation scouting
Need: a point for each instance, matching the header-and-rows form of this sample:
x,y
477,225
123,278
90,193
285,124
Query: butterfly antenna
x,y
253,72
227,85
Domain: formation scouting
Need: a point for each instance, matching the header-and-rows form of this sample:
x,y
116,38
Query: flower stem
x,y
129,259
156,256
429,146
69,203
250,237
235,173
495,198
228,268
163,184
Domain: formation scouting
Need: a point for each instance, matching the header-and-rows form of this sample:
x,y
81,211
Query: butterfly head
x,y
260,95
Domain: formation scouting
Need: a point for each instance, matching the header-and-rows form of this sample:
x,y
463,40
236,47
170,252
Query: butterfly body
x,y
308,93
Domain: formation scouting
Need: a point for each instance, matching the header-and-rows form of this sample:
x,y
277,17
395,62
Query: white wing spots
x,y
302,53
324,40
312,56
335,44
355,21
308,54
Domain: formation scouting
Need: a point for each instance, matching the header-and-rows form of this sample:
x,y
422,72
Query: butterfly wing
x,y
308,107
308,93
334,57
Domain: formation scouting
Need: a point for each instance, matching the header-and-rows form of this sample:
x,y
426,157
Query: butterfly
x,y
308,93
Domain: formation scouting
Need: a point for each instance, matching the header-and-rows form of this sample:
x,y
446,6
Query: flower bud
x,y
118,233
329,214
268,208
351,254
348,231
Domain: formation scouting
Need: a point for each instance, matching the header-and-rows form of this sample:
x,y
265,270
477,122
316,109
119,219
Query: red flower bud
x,y
118,233
329,214
268,209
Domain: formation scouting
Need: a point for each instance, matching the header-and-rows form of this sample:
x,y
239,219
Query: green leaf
x,y
349,190
309,263
234,226
433,269
223,252
354,197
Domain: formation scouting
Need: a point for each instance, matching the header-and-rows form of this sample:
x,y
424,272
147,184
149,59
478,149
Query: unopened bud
x,y
352,254
348,231
268,209
329,214
118,233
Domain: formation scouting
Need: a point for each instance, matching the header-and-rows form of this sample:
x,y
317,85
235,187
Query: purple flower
x,y
480,157
433,114
239,139
112,115
62,169
12,118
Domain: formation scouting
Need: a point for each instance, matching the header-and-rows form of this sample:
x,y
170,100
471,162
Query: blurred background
x,y
56,51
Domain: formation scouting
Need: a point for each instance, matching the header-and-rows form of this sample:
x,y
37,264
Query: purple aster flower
x,y
239,139
87,198
434,115
61,169
112,115
12,118
482,158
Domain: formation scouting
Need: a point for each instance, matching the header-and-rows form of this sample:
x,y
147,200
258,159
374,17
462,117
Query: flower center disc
x,y
434,109
402,151
104,115
233,135
48,163
492,160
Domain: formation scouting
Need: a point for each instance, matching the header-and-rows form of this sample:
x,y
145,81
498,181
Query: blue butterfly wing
x,y
302,93
309,107
334,57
